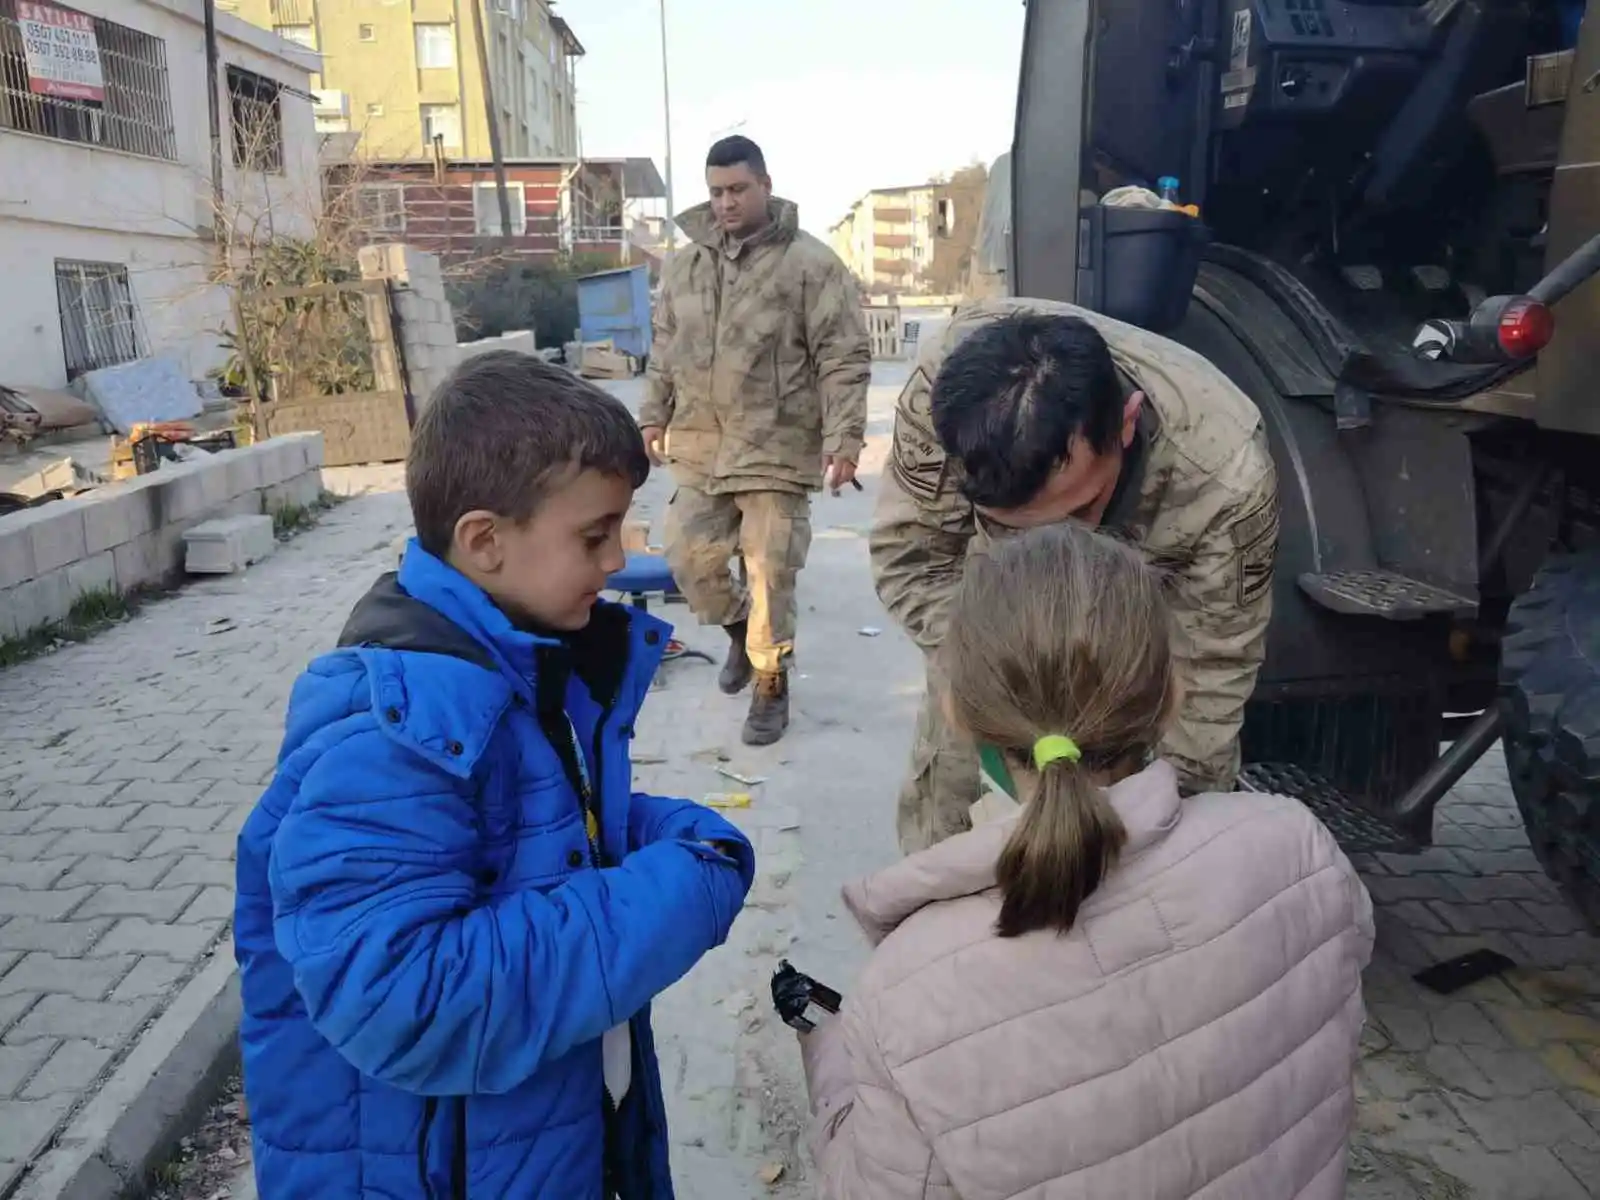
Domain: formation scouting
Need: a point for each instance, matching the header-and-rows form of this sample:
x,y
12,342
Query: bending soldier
x,y
1028,412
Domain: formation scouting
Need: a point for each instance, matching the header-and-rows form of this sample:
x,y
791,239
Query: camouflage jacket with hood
x,y
761,361
1198,495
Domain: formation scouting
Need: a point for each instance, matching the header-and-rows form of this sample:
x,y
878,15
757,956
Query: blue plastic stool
x,y
643,576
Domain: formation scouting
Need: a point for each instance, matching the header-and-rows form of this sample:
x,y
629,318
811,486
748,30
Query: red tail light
x,y
1525,327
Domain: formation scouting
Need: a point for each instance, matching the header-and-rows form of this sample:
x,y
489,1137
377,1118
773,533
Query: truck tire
x,y
1550,693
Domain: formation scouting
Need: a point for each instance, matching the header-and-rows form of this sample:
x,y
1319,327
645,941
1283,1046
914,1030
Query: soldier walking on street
x,y
1030,412
758,382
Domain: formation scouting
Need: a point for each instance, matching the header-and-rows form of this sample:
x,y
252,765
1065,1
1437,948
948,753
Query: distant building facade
x,y
406,76
559,207
109,227
887,237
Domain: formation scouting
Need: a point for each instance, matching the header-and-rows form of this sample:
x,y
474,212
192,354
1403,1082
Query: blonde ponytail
x,y
1065,843
1058,656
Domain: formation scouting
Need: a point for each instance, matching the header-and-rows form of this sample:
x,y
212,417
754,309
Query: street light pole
x,y
666,109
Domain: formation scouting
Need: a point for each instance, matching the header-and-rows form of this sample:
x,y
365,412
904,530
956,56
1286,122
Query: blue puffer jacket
x,y
429,956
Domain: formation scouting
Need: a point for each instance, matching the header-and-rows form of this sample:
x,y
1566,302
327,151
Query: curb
x,y
153,1099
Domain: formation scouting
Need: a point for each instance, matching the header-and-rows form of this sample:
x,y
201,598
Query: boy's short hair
x,y
500,431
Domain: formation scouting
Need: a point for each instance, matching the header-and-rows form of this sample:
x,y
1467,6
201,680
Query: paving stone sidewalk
x,y
127,764
1492,1092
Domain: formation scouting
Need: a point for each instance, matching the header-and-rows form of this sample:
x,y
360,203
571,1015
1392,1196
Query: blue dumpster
x,y
616,305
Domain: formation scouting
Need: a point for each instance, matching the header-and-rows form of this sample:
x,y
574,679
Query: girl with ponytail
x,y
1111,991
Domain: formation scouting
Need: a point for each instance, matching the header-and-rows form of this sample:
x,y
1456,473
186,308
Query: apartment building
x,y
405,74
108,209
887,237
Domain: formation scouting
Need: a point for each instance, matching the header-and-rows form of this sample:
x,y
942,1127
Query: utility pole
x,y
491,114
214,112
666,109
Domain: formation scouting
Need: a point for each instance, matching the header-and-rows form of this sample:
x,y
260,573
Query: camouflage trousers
x,y
770,532
944,783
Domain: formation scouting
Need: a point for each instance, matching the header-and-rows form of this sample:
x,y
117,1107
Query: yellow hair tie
x,y
1052,748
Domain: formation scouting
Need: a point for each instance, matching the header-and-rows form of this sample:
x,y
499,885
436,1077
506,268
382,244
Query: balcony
x,y
892,266
893,216
294,12
891,241
330,105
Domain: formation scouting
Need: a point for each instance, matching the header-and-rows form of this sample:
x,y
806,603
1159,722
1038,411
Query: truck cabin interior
x,y
1397,156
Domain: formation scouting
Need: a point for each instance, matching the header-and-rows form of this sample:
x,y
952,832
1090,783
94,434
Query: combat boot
x,y
736,670
769,709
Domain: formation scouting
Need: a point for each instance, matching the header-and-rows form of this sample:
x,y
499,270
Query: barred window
x,y
99,321
134,113
257,121
381,207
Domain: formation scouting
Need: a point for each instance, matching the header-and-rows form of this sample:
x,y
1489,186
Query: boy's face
x,y
550,569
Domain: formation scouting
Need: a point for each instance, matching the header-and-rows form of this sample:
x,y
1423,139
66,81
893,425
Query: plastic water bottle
x,y
1167,189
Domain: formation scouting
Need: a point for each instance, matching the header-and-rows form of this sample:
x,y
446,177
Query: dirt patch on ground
x,y
212,1158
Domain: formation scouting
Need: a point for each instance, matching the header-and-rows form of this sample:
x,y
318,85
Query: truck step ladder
x,y
1384,594
1357,828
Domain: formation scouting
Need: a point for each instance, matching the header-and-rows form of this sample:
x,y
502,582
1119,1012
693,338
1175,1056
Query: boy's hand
x,y
655,443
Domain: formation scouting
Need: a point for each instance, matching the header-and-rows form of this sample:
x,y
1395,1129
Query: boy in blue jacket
x,y
452,910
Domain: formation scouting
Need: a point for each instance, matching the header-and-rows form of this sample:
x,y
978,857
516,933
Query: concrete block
x,y
136,563
180,493
39,601
56,531
97,573
10,613
308,488
315,448
113,516
304,490
16,551
231,544
242,469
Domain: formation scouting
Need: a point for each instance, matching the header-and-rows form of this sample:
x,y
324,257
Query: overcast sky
x,y
842,95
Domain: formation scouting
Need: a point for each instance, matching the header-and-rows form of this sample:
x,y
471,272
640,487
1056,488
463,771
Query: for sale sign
x,y
63,55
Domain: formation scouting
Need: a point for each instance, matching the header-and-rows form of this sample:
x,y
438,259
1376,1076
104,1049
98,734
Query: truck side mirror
x,y
945,217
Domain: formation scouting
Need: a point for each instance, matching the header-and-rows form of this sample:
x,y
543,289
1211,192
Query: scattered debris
x,y
649,760
770,1173
869,631
207,1163
728,800
747,780
220,625
602,360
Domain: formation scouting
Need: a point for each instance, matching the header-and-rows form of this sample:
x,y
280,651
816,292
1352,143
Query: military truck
x,y
1399,228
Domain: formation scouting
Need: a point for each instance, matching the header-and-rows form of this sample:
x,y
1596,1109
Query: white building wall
x,y
68,200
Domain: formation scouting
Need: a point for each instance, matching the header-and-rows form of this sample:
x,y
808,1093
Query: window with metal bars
x,y
136,113
257,121
100,324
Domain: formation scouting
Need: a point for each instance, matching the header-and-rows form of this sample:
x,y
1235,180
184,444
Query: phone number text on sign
x,y
62,52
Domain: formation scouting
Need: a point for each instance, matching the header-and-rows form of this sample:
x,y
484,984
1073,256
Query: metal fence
x,y
136,115
100,324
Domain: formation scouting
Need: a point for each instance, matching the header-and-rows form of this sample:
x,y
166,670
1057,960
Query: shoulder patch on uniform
x,y
918,461
1255,543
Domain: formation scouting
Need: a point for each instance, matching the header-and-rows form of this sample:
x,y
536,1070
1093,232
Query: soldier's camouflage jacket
x,y
761,360
1202,504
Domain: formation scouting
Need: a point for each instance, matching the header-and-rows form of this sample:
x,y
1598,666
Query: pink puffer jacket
x,y
1195,1035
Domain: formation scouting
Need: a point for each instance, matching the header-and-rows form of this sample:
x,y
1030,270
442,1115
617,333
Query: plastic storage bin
x,y
1139,265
